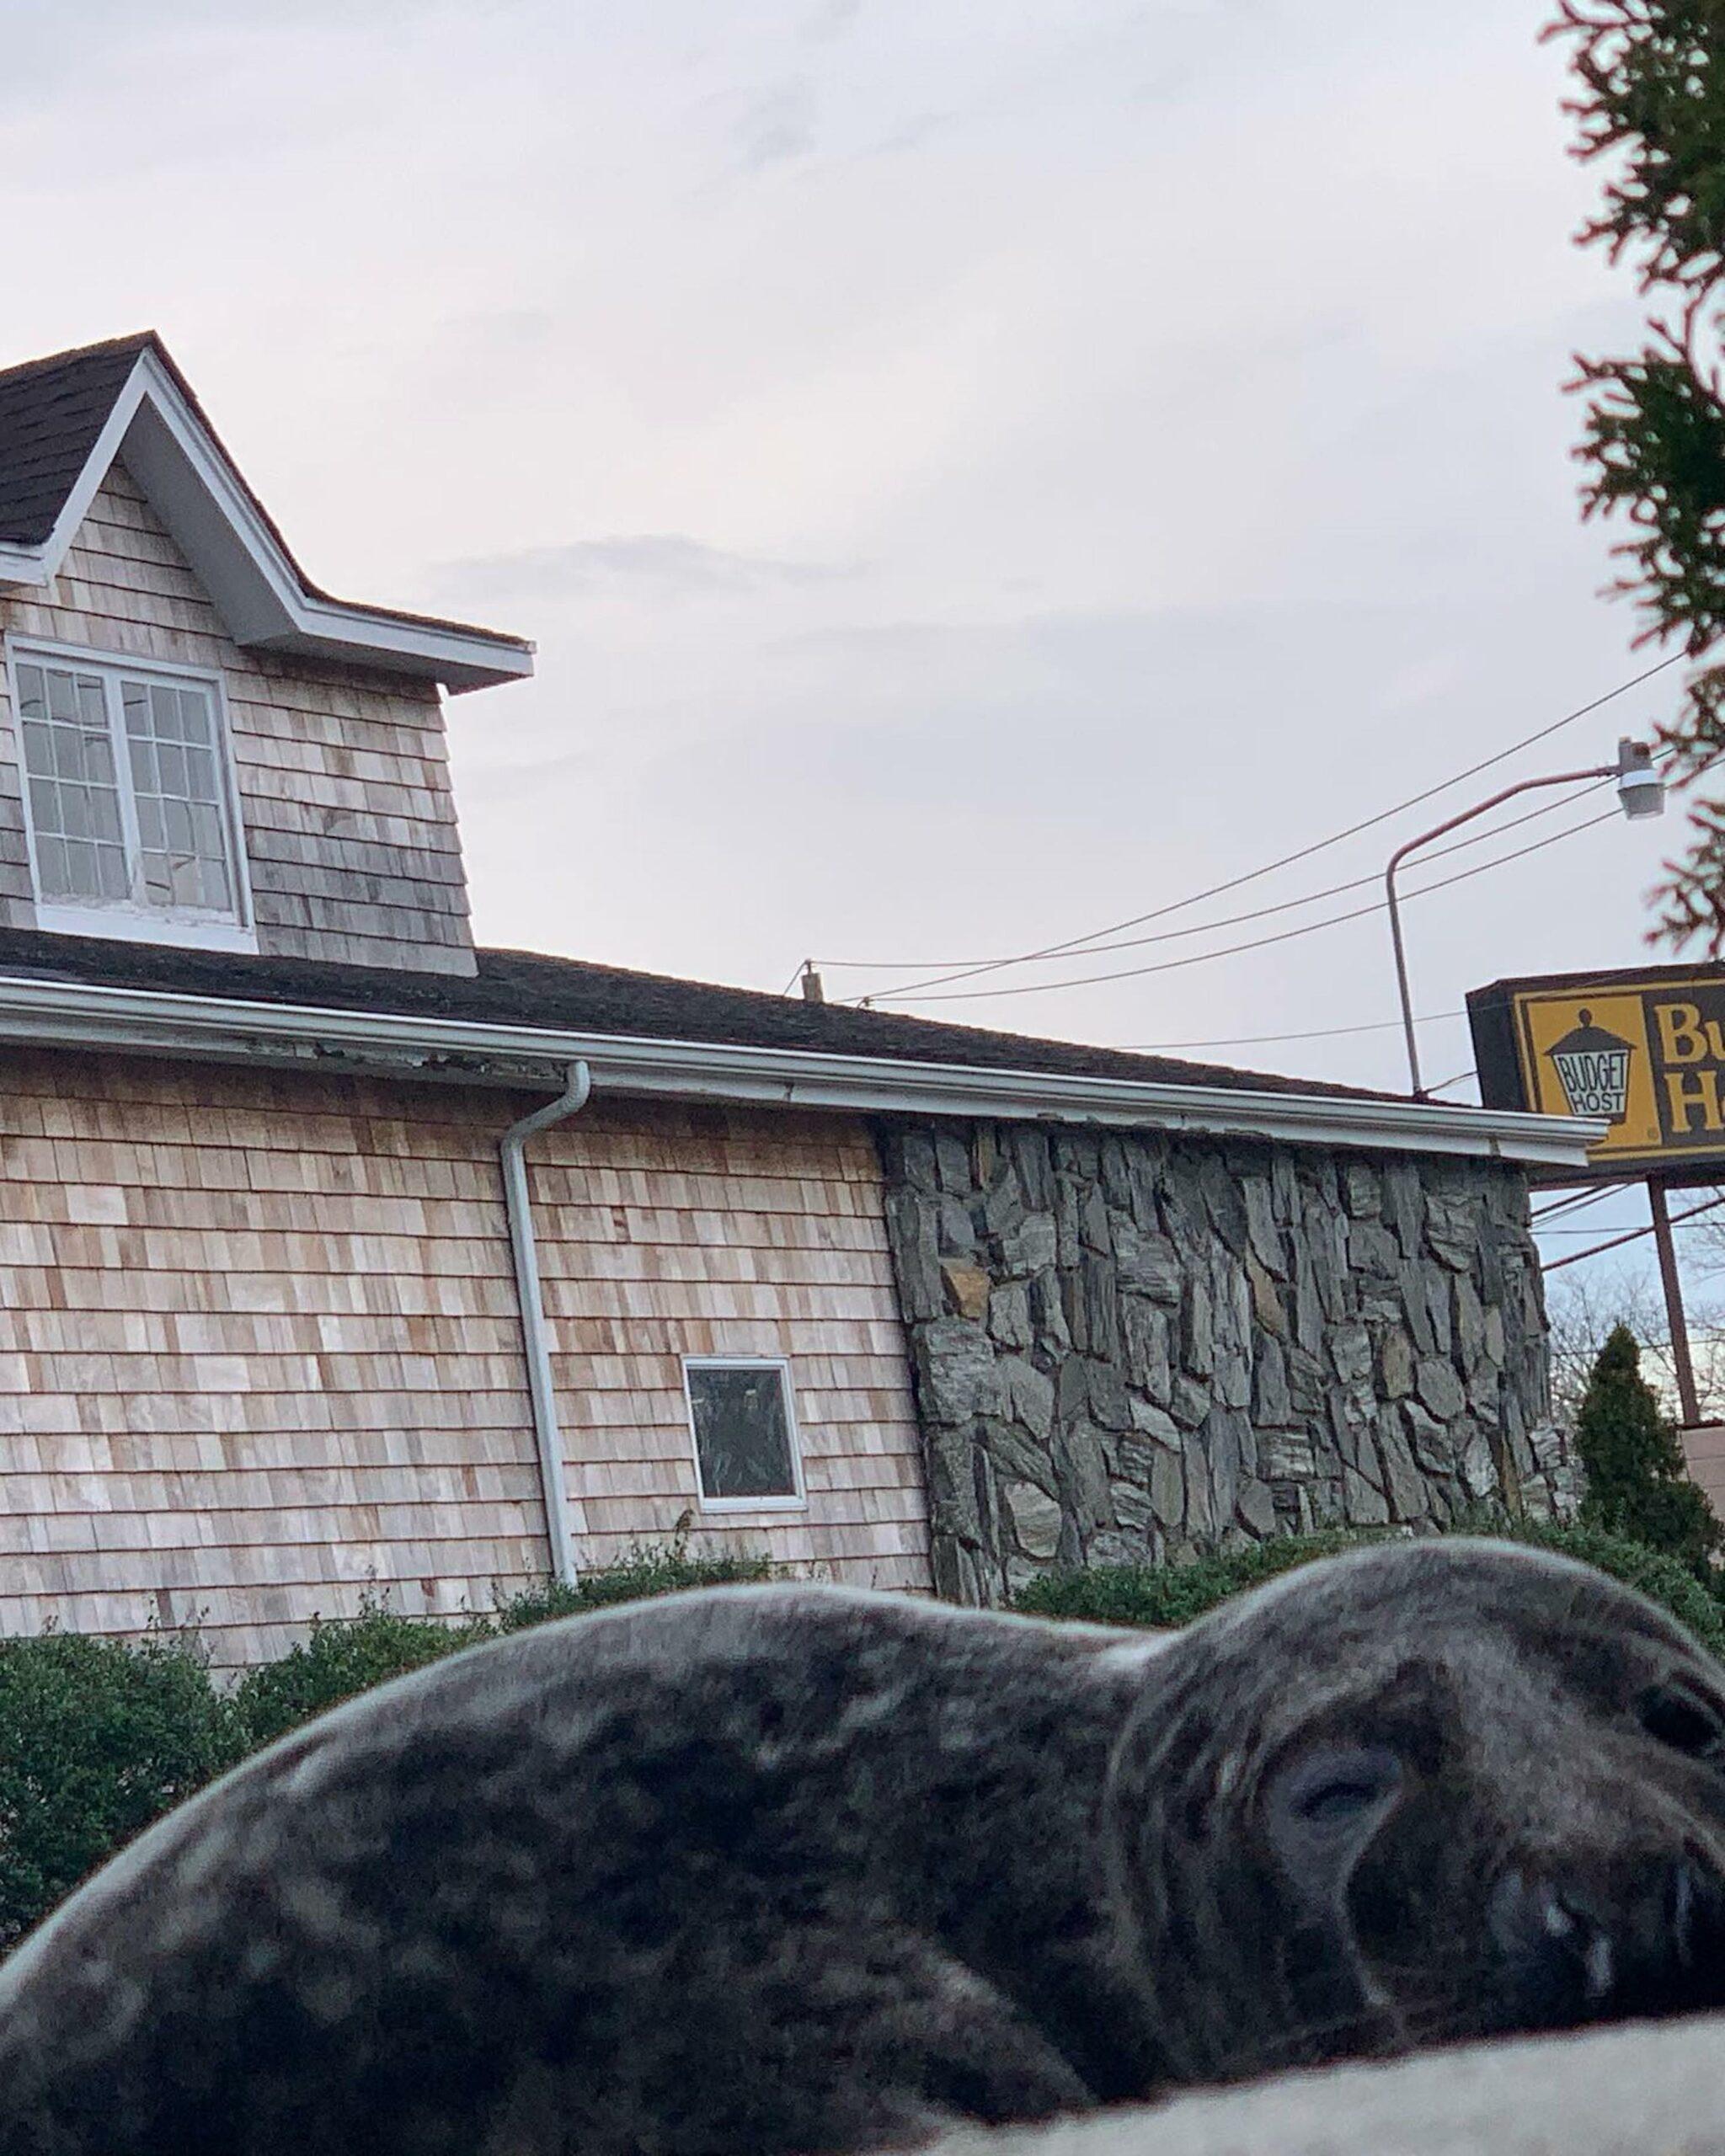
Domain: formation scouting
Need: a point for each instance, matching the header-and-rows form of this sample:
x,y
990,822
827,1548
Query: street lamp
x,y
1641,793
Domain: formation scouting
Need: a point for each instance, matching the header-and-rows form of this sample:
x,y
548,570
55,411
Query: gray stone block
x,y
1029,1248
1035,1517
1440,1387
1009,1315
1029,1396
956,1372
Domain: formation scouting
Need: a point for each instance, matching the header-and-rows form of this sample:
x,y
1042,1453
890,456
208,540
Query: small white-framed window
x,y
743,1422
128,798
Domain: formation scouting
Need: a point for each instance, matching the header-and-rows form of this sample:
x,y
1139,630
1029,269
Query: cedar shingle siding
x,y
260,1351
343,775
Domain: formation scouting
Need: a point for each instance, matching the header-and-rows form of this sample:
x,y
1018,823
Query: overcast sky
x,y
972,473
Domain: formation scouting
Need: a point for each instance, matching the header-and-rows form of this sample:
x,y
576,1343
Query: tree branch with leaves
x,y
1650,111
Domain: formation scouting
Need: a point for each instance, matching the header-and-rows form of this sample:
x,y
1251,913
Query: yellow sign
x,y
1645,1051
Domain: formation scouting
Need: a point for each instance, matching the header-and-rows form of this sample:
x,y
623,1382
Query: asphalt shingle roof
x,y
51,412
529,988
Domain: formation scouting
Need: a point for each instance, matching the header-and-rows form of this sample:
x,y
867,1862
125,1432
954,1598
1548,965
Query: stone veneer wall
x,y
1129,1346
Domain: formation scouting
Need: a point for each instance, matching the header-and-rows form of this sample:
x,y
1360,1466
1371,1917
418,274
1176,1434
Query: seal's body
x,y
795,1870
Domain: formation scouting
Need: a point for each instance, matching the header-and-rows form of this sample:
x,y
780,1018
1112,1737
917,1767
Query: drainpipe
x,y
547,1434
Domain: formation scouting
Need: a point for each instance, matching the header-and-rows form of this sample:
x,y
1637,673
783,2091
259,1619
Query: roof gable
x,y
52,413
65,420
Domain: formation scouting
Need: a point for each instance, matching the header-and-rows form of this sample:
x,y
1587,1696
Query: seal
x,y
798,1869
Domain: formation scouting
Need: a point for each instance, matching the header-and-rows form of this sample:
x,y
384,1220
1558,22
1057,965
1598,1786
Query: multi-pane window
x,y
745,1446
128,796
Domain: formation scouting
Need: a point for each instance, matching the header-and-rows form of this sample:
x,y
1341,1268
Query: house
x,y
337,1254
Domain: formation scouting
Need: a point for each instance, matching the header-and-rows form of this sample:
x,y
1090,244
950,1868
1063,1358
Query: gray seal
x,y
797,1870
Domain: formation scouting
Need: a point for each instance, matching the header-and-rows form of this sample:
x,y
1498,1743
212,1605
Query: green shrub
x,y
338,1657
1164,1596
658,1568
342,1656
1171,1595
1637,1481
97,1739
1660,1577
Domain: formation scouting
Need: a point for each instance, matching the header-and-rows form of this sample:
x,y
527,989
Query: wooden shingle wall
x,y
342,773
260,1351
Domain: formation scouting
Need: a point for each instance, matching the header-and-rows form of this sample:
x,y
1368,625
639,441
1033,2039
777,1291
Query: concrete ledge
x,y
1644,2091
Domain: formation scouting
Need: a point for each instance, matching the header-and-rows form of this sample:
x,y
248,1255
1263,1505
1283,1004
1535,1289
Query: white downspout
x,y
547,1434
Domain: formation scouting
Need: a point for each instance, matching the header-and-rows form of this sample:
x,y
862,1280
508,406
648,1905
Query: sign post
x,y
1678,1323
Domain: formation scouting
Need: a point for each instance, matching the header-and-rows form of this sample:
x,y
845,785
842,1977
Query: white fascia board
x,y
72,1014
255,587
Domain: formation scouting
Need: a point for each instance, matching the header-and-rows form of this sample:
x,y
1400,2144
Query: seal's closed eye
x,y
1339,1788
1337,1785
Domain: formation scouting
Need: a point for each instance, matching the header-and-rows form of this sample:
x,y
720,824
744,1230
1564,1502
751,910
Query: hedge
x,y
349,1655
1171,1595
97,1739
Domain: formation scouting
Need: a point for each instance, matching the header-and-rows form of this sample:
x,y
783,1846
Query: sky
x,y
973,475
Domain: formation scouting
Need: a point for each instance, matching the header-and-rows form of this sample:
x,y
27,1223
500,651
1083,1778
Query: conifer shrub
x,y
1637,1485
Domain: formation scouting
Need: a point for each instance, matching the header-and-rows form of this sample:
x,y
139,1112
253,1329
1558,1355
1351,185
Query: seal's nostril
x,y
1561,1959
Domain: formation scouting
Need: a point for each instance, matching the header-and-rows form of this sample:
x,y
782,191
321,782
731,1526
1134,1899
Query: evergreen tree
x,y
1637,1484
1651,104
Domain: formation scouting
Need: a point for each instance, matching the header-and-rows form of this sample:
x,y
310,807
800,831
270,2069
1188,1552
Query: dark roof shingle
x,y
52,412
529,988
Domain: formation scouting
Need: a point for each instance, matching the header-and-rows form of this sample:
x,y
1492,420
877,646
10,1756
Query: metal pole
x,y
1425,838
1405,993
1676,1322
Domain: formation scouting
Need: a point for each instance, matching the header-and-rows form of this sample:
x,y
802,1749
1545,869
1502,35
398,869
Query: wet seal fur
x,y
778,1869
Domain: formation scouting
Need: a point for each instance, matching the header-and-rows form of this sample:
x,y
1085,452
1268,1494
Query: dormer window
x,y
128,799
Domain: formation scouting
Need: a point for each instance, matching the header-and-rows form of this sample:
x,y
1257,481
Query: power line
x,y
1575,1202
1311,898
1075,943
1261,942
1546,808
1257,1040
1633,1236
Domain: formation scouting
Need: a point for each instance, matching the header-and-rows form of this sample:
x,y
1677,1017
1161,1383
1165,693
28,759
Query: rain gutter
x,y
77,1014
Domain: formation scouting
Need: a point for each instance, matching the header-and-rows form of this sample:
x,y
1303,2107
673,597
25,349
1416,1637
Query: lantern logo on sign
x,y
1593,1069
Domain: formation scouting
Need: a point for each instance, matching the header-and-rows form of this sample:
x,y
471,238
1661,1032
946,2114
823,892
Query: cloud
x,y
777,123
830,19
656,565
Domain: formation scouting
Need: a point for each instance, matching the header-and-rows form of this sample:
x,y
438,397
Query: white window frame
x,y
796,1503
124,919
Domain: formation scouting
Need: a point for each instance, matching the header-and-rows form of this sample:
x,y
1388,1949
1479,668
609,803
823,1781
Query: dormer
x,y
199,746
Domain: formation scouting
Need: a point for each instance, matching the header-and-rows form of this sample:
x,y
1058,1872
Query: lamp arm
x,y
1425,838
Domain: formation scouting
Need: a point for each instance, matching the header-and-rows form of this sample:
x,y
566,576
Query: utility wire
x,y
1262,942
1257,1040
1547,808
1076,943
1634,1236
1311,898
1577,1202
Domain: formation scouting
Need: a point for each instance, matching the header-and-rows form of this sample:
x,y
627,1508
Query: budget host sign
x,y
1646,1050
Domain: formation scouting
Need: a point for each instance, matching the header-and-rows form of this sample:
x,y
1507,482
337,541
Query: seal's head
x,y
1420,1794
